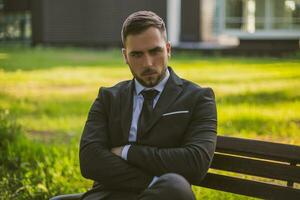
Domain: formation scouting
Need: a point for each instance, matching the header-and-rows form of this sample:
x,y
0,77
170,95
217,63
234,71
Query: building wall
x,y
86,22
36,21
16,5
190,21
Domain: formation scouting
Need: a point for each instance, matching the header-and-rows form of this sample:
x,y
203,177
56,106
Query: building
x,y
15,22
229,25
236,25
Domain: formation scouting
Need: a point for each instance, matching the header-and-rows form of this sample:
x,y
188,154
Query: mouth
x,y
149,74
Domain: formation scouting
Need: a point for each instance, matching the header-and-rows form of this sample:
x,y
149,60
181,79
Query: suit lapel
x,y
126,109
169,94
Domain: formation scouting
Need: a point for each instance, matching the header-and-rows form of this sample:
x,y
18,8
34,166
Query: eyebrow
x,y
157,48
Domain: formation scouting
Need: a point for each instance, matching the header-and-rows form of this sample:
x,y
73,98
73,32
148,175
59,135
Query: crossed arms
x,y
191,159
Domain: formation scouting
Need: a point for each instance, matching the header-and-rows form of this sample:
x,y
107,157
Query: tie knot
x,y
149,95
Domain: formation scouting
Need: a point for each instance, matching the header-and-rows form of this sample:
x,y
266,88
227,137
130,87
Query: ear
x,y
168,47
124,52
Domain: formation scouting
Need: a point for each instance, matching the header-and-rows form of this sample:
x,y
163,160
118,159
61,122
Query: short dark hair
x,y
139,21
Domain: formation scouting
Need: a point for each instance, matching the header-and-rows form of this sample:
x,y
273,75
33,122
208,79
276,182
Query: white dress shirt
x,y
138,101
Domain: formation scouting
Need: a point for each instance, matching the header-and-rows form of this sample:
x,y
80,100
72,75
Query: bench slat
x,y
262,168
68,197
249,188
259,149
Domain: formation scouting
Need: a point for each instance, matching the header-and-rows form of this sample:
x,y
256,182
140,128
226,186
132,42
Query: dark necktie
x,y
147,109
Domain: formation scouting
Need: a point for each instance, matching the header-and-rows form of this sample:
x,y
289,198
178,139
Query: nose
x,y
148,60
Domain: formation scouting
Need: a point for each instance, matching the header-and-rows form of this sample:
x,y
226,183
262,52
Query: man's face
x,y
147,56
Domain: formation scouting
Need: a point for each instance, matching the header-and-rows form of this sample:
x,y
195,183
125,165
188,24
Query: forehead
x,y
148,39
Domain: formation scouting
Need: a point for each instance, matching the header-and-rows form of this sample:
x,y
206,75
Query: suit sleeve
x,y
96,160
192,159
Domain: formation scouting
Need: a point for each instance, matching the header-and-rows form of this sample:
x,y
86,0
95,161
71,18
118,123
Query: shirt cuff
x,y
125,151
153,181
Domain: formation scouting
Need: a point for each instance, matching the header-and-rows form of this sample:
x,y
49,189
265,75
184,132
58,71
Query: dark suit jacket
x,y
181,143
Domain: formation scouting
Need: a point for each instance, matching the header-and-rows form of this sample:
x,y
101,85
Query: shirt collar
x,y
159,87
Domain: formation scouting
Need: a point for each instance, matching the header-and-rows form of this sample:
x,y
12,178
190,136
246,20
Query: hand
x,y
117,150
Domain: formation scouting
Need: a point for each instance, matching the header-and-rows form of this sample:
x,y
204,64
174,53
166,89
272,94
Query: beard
x,y
150,77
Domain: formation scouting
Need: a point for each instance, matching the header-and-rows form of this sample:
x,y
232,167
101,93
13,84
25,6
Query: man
x,y
151,137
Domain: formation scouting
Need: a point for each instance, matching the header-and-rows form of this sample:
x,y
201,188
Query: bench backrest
x,y
275,168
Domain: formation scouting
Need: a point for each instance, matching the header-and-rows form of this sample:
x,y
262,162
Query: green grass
x,y
35,170
48,91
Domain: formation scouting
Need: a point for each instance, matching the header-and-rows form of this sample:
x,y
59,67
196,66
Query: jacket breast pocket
x,y
176,113
178,119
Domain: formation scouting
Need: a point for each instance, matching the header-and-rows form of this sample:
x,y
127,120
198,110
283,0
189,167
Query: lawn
x,y
46,93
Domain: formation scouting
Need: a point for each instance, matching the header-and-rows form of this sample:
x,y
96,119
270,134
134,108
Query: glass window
x,y
15,26
286,14
253,15
234,14
260,11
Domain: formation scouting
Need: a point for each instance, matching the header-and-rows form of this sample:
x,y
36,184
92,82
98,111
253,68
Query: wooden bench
x,y
275,169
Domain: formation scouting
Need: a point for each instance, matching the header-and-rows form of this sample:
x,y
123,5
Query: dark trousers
x,y
168,186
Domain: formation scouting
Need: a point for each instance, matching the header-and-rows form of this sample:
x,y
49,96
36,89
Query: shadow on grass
x,y
246,125
245,80
52,107
14,58
190,57
263,98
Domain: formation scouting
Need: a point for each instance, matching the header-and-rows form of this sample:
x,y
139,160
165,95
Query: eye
x,y
136,54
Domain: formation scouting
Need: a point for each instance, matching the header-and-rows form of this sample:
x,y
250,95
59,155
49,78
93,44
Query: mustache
x,y
148,71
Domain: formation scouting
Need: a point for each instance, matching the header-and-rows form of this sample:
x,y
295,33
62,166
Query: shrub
x,y
31,170
9,129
